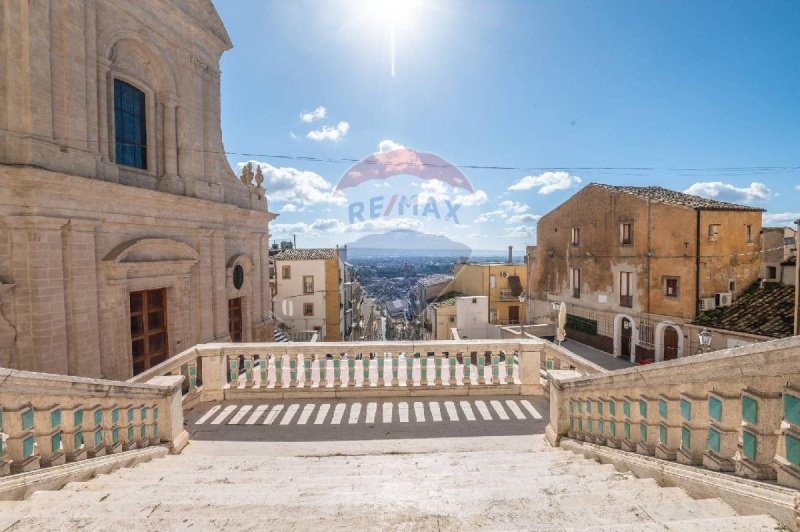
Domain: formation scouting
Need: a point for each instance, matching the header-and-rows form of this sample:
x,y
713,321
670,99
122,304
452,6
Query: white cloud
x,y
523,218
547,182
317,114
521,231
387,145
289,207
386,224
316,227
797,187
781,218
440,191
296,186
509,206
727,192
330,133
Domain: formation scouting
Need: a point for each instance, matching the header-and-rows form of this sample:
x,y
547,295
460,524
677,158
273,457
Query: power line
x,y
372,161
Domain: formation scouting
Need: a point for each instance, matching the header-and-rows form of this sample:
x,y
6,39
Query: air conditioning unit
x,y
503,274
723,299
707,303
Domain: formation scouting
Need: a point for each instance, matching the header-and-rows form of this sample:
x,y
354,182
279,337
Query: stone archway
x,y
619,323
665,346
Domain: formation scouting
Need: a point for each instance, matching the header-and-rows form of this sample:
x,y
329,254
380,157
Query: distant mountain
x,y
407,242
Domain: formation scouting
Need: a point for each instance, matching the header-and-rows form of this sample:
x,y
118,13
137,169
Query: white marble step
x,y
743,523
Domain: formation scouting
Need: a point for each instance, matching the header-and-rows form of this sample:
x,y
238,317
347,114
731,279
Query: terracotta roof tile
x,y
671,197
764,311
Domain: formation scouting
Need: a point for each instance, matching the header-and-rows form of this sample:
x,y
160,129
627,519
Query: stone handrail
x,y
734,410
229,371
47,420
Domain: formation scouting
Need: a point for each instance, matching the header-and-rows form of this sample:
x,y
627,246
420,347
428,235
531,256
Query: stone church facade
x,y
125,237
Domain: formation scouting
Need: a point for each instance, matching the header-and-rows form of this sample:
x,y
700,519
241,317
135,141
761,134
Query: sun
x,y
393,18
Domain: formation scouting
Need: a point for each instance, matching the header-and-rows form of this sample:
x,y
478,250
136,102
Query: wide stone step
x,y
520,514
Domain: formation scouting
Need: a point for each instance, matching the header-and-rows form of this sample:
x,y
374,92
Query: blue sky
x,y
693,95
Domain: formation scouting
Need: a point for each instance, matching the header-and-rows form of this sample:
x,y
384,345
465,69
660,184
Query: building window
x,y
308,309
626,234
576,236
748,232
130,125
576,283
732,285
286,272
625,289
713,231
772,272
671,286
308,284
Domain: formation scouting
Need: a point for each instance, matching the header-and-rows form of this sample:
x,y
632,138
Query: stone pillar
x,y
170,181
215,377
170,410
37,270
218,288
559,405
529,366
80,298
204,284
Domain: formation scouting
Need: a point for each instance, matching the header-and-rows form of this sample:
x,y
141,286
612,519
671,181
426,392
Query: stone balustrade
x,y
736,410
227,371
48,420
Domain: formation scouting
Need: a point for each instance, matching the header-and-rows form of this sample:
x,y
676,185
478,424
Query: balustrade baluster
x,y
409,369
481,367
365,363
452,363
669,427
248,371
437,364
787,457
423,369
725,415
351,369
263,371
509,367
694,428
395,369
233,370
308,380
293,363
337,370
466,359
47,430
381,360
322,364
616,420
762,413
277,361
630,428
192,372
648,425
495,358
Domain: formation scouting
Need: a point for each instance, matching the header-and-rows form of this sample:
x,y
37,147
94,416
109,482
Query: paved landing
x,y
357,419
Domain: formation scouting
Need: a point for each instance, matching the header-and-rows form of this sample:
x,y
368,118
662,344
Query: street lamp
x,y
705,341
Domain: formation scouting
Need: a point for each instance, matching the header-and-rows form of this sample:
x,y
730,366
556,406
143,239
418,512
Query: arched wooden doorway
x,y
626,338
671,343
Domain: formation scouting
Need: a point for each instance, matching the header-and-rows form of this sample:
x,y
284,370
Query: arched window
x,y
130,125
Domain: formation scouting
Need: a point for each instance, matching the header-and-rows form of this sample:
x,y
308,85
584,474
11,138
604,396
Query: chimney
x,y
510,254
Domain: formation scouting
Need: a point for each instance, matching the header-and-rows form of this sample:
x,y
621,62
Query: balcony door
x,y
235,319
513,314
149,345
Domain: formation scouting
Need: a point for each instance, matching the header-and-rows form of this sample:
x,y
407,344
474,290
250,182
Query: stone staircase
x,y
490,483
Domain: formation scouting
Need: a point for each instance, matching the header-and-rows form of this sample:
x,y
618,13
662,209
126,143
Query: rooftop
x,y
436,278
446,300
763,311
672,197
306,254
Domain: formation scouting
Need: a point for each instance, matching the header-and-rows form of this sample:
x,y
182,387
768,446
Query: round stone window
x,y
238,276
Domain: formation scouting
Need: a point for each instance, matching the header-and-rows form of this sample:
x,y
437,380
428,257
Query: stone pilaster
x,y
220,300
80,298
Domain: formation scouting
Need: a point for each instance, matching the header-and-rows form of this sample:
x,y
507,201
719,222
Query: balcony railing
x,y
736,410
49,420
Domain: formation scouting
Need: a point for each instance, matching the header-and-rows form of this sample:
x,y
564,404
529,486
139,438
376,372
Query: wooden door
x,y
626,338
235,319
149,340
670,343
513,314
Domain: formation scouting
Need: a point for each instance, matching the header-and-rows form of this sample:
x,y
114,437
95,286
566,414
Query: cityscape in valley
x,y
499,265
